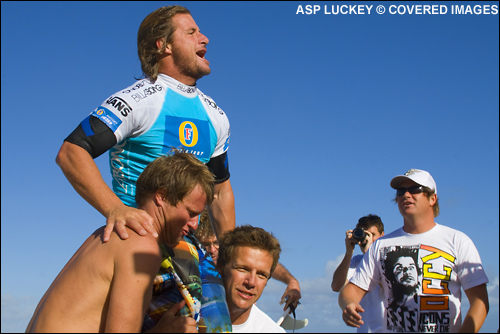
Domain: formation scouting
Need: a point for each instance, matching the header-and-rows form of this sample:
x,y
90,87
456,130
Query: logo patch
x,y
110,119
188,134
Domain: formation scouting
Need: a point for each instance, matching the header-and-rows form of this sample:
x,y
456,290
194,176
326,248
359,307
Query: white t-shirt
x,y
372,303
258,322
433,267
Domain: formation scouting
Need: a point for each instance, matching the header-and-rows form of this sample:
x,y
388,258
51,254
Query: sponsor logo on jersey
x,y
188,134
135,87
110,119
186,89
151,90
120,104
208,100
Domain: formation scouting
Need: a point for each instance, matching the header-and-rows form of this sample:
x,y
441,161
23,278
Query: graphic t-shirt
x,y
421,276
188,273
372,303
153,119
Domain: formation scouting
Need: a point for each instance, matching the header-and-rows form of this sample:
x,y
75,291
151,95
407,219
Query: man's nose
x,y
193,222
251,279
203,39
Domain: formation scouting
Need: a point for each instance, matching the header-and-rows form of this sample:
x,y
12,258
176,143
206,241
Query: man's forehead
x,y
184,21
373,229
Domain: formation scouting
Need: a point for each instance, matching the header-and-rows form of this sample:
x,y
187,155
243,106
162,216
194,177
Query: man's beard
x,y
190,69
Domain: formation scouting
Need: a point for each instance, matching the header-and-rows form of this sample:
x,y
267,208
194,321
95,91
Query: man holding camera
x,y
368,229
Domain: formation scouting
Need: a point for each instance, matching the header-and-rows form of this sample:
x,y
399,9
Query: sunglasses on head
x,y
412,190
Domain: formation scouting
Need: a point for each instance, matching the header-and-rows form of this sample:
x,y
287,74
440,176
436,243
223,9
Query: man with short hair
x,y
373,228
247,258
447,259
107,287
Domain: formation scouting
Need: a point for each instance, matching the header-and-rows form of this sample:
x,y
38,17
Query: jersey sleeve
x,y
220,123
132,111
92,135
107,125
219,166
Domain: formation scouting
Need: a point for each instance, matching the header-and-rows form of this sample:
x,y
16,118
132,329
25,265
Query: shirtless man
x,y
107,287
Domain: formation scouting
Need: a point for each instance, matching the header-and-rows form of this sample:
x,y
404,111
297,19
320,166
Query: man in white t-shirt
x,y
247,258
371,228
421,268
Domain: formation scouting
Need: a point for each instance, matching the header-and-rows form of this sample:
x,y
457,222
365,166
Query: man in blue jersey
x,y
162,113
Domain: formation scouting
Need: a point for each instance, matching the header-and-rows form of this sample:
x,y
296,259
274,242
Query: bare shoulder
x,y
146,243
142,250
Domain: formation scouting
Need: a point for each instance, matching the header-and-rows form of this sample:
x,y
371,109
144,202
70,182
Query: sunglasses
x,y
412,190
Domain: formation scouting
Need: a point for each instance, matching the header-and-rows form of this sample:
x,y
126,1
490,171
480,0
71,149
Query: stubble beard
x,y
190,67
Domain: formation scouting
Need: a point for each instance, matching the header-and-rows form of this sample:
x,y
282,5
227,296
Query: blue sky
x,y
324,110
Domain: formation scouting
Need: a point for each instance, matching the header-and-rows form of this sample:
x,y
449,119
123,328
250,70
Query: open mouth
x,y
201,53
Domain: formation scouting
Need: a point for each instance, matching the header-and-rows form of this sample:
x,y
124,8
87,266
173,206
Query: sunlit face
x,y
413,204
188,46
212,246
245,278
405,271
179,218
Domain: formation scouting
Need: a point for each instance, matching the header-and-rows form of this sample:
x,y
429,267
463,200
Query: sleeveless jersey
x,y
150,119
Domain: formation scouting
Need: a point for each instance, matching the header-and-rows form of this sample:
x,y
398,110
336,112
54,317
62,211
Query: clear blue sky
x,y
324,109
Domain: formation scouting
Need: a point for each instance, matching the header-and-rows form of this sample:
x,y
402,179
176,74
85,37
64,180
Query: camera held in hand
x,y
359,234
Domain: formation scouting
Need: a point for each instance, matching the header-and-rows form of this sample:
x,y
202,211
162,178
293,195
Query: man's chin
x,y
203,70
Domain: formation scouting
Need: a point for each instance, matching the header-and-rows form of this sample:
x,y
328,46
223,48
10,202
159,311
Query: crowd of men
x,y
156,266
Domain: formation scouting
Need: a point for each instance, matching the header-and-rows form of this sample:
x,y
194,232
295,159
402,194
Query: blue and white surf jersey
x,y
151,119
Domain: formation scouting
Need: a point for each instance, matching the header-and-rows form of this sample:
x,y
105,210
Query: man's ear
x,y
159,198
433,199
160,42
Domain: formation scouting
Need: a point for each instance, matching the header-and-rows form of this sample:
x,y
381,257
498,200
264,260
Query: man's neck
x,y
417,225
239,317
151,210
187,80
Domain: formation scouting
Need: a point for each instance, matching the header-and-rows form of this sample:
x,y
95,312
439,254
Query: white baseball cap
x,y
418,176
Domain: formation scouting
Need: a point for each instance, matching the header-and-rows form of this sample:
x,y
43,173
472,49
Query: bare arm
x,y
221,211
83,174
479,307
339,279
349,299
292,290
136,262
